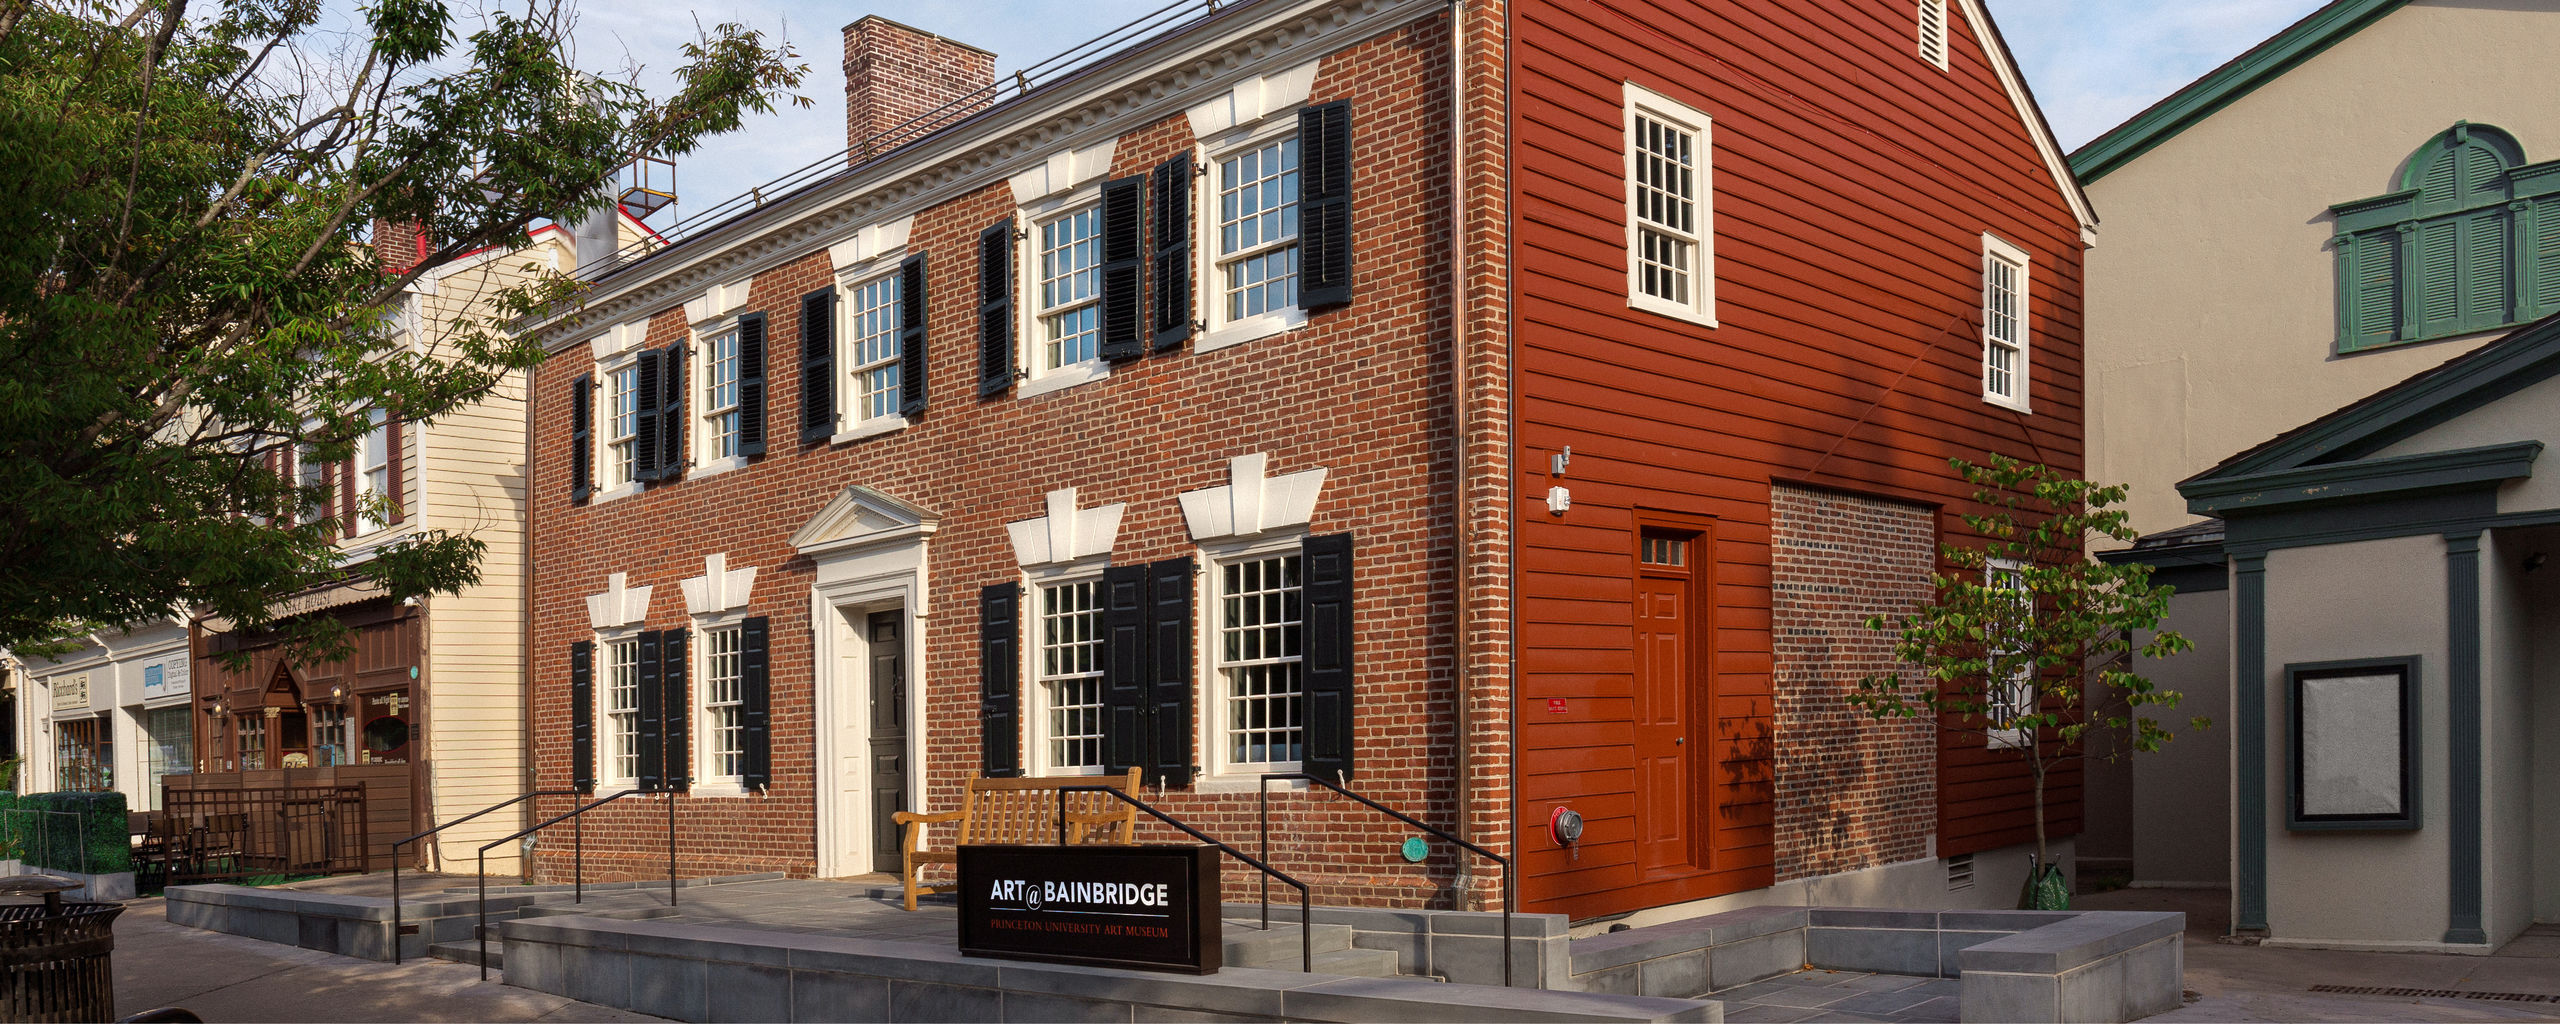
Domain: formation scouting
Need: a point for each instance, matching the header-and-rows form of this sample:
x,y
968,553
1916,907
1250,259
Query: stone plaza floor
x,y
1845,996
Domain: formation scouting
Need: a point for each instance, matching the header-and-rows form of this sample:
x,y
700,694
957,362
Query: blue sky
x,y
2092,63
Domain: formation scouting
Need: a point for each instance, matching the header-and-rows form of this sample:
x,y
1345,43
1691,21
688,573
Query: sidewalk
x,y
2262,983
231,978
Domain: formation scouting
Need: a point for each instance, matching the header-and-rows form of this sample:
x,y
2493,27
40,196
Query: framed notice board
x,y
1146,907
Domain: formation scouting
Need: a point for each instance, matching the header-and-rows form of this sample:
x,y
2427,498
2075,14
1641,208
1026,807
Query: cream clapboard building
x,y
2348,205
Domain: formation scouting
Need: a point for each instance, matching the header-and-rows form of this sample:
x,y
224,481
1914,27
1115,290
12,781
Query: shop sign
x,y
71,693
1147,907
166,679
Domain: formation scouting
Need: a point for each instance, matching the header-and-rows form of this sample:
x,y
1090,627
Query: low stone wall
x,y
1693,957
1452,945
356,926
1922,942
671,969
2100,967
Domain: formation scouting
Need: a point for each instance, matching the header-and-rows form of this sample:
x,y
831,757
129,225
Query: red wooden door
x,y
1665,689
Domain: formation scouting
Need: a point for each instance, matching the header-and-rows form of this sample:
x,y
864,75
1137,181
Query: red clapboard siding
x,y
1852,183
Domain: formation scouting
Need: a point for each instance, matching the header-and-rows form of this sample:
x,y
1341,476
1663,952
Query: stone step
x,y
1248,945
593,910
468,953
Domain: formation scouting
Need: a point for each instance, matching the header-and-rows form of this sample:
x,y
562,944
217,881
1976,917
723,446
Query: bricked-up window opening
x,y
2004,323
723,704
1670,261
1261,660
1070,677
1661,550
253,741
621,700
373,473
1258,229
2005,700
720,395
622,425
1070,313
871,370
330,743
1933,32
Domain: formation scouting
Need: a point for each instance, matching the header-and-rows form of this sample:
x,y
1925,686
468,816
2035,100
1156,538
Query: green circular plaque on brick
x,y
1415,849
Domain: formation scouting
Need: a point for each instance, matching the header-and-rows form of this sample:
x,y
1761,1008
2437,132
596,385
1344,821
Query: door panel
x,y
888,734
1663,683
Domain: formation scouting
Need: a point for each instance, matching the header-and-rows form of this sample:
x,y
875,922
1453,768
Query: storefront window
x,y
83,755
253,742
168,750
329,744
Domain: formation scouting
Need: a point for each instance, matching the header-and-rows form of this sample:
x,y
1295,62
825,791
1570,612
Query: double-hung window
x,y
618,704
1670,225
1069,274
871,349
720,395
1067,669
1259,649
1257,230
2009,649
724,724
622,400
373,474
2004,324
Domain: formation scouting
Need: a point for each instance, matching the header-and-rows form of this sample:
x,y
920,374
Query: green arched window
x,y
2469,242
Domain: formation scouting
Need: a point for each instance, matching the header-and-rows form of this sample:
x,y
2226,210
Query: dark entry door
x,y
888,737
1666,691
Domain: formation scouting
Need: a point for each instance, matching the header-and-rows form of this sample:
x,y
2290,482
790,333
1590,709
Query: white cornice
x,y
1104,102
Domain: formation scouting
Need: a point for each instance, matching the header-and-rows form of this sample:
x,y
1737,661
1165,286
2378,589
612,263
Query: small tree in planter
x,y
2006,648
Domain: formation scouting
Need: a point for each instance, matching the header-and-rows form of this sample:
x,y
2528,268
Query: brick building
x,y
1503,407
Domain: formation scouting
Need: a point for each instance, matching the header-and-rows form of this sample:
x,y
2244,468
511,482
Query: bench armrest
x,y
935,818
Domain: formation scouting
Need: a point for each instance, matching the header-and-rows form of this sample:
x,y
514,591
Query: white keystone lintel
x,y
1254,99
618,339
719,588
620,605
870,243
1251,503
717,301
1067,533
1063,171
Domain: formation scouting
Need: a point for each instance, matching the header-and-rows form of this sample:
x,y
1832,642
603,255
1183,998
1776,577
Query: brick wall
x,y
399,244
894,74
1362,392
1852,792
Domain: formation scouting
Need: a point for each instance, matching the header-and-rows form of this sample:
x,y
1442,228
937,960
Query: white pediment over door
x,y
860,517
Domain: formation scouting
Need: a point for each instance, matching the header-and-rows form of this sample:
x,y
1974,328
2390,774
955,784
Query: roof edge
x,y
2220,87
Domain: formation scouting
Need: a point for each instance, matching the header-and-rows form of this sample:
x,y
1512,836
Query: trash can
x,y
56,960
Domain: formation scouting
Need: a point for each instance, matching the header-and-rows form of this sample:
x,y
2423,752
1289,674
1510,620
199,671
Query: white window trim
x,y
1035,698
606,466
362,485
1946,32
1221,775
1701,307
1207,295
1997,736
602,685
2022,382
854,276
697,399
698,651
1031,343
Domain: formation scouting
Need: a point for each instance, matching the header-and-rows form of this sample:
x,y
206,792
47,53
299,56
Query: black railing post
x,y
482,933
1265,785
395,909
1508,892
1306,898
671,847
578,867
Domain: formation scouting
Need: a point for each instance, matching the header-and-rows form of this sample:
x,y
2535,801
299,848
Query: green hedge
x,y
52,840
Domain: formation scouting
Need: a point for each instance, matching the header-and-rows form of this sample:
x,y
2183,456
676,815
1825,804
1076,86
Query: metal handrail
x,y
502,805
1173,15
482,933
1498,859
1306,900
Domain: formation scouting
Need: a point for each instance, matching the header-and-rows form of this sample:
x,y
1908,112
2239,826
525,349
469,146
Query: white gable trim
x,y
2007,68
1251,503
859,517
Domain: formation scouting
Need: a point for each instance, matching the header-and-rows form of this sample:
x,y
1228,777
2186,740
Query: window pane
x,y
1070,674
871,328
720,393
723,699
1258,208
1261,659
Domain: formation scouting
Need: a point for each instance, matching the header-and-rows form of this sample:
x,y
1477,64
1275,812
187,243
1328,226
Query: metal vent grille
x,y
1960,872
2435,993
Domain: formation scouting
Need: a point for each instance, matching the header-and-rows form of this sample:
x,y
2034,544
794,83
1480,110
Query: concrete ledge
x,y
671,969
1453,945
2100,967
356,926
1684,959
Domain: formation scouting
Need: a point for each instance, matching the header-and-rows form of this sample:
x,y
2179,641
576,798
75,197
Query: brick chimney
x,y
894,74
399,245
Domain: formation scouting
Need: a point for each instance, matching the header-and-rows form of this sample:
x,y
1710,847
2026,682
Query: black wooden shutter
x,y
911,313
582,438
1173,252
818,365
1124,307
1324,205
678,769
1169,691
582,716
751,385
671,423
755,699
995,307
999,680
1328,656
1124,667
644,403
652,715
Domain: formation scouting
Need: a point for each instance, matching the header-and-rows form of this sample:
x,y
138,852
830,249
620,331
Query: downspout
x,y
1461,672
1511,434
524,646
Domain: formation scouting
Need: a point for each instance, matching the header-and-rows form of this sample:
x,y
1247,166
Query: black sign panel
x,y
1148,907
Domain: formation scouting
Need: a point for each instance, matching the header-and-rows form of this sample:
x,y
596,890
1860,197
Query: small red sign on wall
x,y
1555,705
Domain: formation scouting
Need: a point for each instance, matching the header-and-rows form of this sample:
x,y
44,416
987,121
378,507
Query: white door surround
x,y
869,550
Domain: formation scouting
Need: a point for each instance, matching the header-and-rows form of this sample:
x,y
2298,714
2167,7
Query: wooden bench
x,y
1021,812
